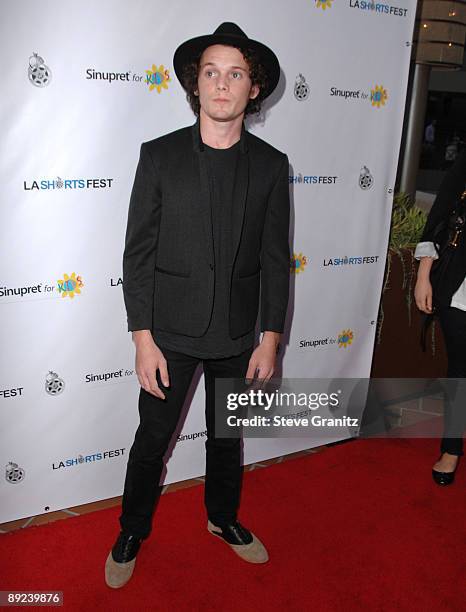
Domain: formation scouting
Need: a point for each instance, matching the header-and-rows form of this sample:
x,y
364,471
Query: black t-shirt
x,y
216,342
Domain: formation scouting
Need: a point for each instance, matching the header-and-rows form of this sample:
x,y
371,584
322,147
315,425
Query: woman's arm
x,y
451,188
423,288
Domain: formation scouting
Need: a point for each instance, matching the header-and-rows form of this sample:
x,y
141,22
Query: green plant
x,y
408,222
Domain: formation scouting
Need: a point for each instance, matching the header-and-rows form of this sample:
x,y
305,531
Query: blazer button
x,y
211,266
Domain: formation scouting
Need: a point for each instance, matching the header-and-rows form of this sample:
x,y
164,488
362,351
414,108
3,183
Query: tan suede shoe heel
x,y
255,552
118,574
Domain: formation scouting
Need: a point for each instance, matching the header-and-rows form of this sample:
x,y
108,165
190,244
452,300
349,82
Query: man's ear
x,y
254,91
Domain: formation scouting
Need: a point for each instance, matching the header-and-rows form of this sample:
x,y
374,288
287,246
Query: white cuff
x,y
425,249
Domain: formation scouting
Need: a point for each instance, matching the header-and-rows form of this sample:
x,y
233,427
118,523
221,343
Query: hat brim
x,y
189,49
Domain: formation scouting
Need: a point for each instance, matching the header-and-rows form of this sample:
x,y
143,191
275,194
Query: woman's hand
x,y
423,295
423,288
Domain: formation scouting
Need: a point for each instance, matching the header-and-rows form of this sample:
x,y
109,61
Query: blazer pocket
x,y
172,272
249,274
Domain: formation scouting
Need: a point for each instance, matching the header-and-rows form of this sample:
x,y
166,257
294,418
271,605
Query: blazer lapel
x,y
239,201
203,198
205,208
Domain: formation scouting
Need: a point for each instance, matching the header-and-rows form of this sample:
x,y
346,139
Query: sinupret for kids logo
x,y
345,338
379,96
157,78
69,286
324,4
342,340
298,263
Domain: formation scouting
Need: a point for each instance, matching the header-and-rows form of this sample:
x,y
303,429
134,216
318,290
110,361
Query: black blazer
x,y
168,261
451,188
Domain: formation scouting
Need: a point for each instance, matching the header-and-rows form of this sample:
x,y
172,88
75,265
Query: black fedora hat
x,y
228,34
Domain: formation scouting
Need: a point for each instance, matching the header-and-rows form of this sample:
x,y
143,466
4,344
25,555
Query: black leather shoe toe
x,y
443,478
234,533
126,547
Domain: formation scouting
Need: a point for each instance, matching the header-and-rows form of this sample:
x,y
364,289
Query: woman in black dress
x,y
451,311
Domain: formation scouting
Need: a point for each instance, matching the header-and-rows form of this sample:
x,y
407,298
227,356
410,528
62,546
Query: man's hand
x,y
149,359
263,357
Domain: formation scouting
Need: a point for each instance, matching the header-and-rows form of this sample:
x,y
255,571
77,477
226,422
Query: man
x,y
207,228
429,133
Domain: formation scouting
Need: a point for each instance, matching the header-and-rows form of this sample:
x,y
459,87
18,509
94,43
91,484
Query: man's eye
x,y
238,74
209,72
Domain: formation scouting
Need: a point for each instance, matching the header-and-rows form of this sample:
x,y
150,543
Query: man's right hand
x,y
149,359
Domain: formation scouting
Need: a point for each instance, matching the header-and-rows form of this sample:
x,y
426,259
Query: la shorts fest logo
x,y
46,184
310,179
371,6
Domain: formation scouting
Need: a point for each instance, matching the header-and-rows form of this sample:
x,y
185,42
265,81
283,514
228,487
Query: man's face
x,y
224,86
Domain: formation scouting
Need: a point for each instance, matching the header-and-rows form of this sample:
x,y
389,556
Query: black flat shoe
x,y
443,478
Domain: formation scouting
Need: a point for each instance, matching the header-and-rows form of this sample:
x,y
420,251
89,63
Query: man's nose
x,y
222,82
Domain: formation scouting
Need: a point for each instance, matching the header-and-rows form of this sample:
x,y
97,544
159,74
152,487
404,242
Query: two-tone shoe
x,y
121,560
244,543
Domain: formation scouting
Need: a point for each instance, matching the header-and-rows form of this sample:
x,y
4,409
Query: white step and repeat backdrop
x,y
84,83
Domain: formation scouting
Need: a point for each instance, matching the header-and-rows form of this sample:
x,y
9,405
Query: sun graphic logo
x,y
298,263
378,96
68,286
324,4
345,338
157,78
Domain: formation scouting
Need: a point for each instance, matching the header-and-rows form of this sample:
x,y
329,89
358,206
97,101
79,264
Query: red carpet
x,y
359,526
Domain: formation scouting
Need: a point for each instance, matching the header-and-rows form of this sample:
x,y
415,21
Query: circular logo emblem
x,y
301,88
53,384
39,74
366,180
13,473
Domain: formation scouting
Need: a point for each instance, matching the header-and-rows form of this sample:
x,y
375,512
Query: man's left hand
x,y
263,358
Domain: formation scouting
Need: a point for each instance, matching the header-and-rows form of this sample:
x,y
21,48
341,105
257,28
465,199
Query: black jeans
x,y
158,421
453,324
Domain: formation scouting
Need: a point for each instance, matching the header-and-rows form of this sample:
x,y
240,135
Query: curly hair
x,y
257,74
